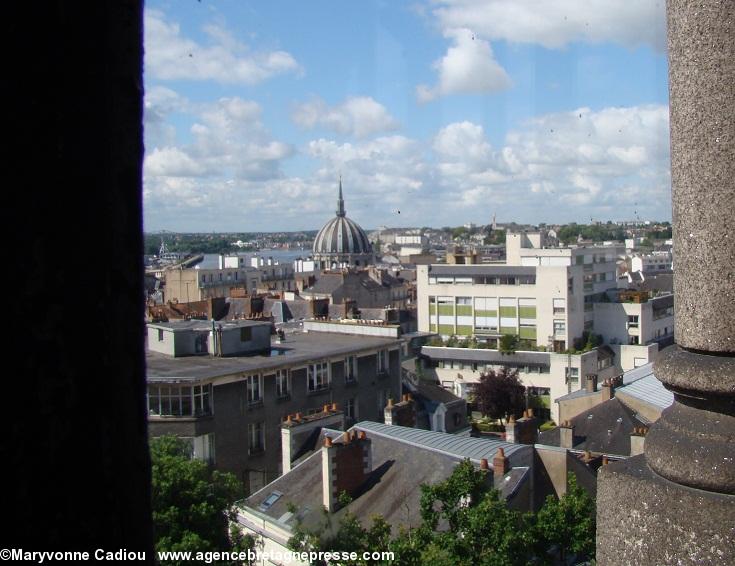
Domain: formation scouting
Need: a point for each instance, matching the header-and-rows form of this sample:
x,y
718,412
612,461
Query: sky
x,y
434,113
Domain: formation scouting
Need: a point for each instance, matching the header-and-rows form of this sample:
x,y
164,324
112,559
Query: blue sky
x,y
435,113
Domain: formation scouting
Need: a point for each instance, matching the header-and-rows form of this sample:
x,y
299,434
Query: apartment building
x,y
228,389
543,295
652,263
548,298
196,284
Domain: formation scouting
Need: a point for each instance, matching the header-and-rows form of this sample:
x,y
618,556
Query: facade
x,y
342,242
655,262
193,284
546,375
551,299
633,322
231,406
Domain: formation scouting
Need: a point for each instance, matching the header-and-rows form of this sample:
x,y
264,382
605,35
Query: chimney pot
x,y
604,461
484,465
346,437
390,401
530,412
327,441
334,407
512,419
325,409
363,436
298,416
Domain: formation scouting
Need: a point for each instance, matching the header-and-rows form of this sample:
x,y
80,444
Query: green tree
x,y
508,343
464,522
192,504
567,525
500,394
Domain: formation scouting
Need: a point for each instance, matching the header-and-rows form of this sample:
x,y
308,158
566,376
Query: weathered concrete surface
x,y
702,100
645,519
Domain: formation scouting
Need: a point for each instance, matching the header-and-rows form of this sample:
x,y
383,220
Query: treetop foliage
x,y
464,522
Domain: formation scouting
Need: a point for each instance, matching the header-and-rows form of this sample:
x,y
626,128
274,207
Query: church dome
x,y
342,241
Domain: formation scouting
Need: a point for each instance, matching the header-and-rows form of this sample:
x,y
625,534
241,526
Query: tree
x,y
192,504
465,522
567,525
500,394
508,343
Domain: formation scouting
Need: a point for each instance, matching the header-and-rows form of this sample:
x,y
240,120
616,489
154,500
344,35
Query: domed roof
x,y
341,235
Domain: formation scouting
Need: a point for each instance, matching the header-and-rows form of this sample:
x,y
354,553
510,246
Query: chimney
x,y
637,440
512,430
401,414
299,434
606,390
346,464
523,430
501,465
591,383
566,434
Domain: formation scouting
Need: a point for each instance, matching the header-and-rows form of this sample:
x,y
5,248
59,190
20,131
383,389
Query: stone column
x,y
675,504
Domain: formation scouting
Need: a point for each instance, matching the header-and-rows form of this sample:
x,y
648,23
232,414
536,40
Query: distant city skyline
x,y
437,113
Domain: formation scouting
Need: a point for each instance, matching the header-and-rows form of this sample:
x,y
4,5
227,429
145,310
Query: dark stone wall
x,y
232,414
77,455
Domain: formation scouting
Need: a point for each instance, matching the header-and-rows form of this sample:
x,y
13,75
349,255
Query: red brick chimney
x,y
501,464
346,464
401,414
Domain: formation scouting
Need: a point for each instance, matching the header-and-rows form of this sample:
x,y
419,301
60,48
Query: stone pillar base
x,y
643,518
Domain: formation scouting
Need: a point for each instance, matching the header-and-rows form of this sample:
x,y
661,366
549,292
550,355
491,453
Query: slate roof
x,y
436,393
403,459
605,428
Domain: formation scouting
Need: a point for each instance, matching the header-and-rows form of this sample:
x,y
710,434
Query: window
x,y
246,334
220,276
383,361
175,401
202,397
282,386
351,409
570,285
604,363
318,376
255,389
560,306
560,327
160,335
350,369
572,374
256,437
633,321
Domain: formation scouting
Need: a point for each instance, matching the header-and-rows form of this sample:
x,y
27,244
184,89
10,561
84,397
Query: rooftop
x,y
182,325
403,459
297,348
642,384
605,428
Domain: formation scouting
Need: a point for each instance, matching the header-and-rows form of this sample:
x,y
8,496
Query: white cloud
x,y
359,116
172,56
556,168
468,67
558,23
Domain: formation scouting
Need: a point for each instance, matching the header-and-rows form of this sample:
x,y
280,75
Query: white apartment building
x,y
654,262
548,297
543,295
